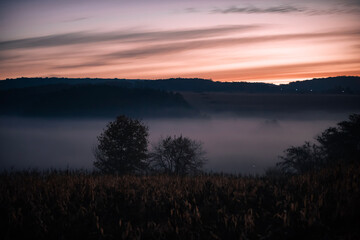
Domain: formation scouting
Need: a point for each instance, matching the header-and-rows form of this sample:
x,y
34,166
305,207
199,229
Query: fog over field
x,y
244,145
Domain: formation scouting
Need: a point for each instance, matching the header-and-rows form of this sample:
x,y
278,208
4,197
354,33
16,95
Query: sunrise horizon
x,y
275,82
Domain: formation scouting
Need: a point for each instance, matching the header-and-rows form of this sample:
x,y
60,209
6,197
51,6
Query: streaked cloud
x,y
275,9
289,9
82,65
169,48
125,36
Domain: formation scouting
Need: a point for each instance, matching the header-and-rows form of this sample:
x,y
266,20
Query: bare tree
x,y
177,155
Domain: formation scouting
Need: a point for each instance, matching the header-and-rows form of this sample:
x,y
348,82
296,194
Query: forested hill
x,y
92,101
65,97
332,85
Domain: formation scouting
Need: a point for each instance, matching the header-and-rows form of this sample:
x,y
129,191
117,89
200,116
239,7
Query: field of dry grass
x,y
76,205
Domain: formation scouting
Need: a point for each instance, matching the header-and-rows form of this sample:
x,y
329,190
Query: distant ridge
x,y
339,84
62,100
175,97
332,85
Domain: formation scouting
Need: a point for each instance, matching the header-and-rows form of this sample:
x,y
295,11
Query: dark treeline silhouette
x,y
333,85
92,101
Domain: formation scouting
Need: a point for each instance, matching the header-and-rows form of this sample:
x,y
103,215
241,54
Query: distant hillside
x,y
34,82
64,97
327,85
333,85
92,101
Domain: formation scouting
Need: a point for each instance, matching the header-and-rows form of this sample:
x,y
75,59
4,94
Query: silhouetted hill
x,y
334,85
92,101
342,84
203,85
155,98
33,82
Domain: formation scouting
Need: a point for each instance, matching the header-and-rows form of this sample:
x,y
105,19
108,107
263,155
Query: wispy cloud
x,y
125,36
154,51
345,10
82,65
169,48
76,19
285,9
275,9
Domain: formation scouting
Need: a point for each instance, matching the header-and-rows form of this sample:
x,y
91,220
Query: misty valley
x,y
246,145
244,127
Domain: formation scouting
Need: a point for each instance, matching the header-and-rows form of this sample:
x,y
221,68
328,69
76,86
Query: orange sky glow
x,y
255,41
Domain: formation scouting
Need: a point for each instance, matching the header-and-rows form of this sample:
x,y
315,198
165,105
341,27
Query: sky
x,y
273,41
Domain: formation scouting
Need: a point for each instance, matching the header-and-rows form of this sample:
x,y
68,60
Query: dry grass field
x,y
79,205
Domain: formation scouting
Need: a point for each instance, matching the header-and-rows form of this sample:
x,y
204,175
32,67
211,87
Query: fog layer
x,y
233,145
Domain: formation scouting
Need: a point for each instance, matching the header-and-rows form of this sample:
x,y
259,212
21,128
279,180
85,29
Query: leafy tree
x,y
177,155
122,147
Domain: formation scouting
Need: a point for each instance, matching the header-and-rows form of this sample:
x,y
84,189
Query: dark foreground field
x,y
323,205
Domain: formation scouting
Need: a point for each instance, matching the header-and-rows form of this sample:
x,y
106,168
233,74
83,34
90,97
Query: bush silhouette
x,y
122,147
177,155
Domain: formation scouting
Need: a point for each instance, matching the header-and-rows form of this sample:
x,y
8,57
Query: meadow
x,y
83,205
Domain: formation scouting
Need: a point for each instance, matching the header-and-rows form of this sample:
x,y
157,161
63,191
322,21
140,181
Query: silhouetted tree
x,y
122,147
340,144
178,155
301,159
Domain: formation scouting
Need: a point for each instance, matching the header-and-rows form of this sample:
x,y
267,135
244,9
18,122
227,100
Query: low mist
x,y
234,145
